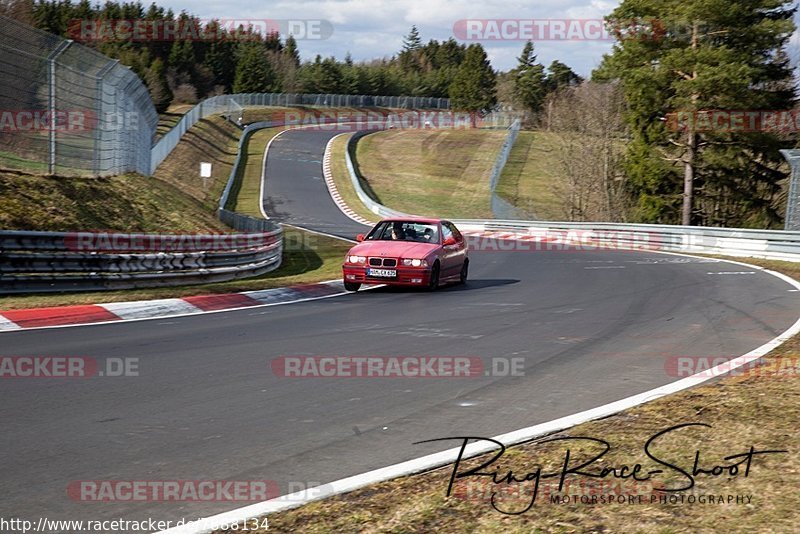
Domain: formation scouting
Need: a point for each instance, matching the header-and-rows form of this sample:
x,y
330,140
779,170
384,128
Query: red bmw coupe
x,y
407,252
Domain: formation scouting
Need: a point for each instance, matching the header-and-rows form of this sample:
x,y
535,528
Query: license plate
x,y
382,273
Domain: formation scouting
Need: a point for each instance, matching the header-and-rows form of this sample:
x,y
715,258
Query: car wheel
x,y
434,282
351,286
464,272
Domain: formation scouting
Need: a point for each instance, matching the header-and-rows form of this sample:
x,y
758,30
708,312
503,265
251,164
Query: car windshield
x,y
405,231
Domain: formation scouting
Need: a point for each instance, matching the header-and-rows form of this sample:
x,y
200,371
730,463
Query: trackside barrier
x,y
234,220
39,262
231,106
746,243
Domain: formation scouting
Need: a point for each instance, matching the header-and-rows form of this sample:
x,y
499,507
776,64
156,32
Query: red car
x,y
407,252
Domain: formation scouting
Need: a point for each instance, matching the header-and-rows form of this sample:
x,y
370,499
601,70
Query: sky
x,y
372,29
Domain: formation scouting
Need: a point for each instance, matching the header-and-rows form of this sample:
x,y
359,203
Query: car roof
x,y
425,220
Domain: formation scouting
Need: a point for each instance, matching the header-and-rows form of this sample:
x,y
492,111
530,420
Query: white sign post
x,y
205,172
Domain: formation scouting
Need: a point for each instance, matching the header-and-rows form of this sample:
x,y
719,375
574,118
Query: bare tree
x,y
18,10
589,127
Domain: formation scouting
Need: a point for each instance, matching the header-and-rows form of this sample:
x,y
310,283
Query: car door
x,y
455,253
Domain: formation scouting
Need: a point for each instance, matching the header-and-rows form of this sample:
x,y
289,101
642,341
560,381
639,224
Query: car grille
x,y
382,262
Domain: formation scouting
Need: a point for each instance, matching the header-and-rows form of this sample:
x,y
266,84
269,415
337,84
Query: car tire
x,y
464,272
351,286
434,281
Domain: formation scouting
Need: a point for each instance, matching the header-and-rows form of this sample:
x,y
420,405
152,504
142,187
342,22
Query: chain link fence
x,y
68,110
792,220
231,106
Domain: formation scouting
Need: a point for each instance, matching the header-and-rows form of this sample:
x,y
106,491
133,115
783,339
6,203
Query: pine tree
x,y
409,56
290,50
156,81
714,55
473,88
412,42
529,80
254,74
560,75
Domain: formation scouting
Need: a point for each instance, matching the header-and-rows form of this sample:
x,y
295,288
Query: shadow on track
x,y
471,285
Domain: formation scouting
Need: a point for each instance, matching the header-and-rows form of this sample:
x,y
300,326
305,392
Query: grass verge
x,y
171,117
760,408
441,173
247,188
531,173
127,203
213,140
135,203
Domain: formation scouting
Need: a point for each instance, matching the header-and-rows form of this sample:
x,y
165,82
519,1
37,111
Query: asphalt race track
x,y
592,327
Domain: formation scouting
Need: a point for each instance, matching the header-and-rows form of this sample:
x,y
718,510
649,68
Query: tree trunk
x,y
688,176
691,150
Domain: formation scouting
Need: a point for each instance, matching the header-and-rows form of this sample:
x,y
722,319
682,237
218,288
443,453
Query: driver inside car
x,y
398,234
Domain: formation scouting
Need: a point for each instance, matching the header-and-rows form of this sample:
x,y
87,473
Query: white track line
x,y
432,461
196,314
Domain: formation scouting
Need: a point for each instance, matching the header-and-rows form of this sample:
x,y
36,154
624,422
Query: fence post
x,y
51,100
791,221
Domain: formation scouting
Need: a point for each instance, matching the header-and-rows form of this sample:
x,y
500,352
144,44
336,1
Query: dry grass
x,y
129,203
532,174
441,173
213,140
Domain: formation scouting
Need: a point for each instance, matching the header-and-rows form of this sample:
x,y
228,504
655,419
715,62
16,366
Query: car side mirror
x,y
360,238
450,241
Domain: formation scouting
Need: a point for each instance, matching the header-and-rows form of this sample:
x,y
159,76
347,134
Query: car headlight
x,y
414,263
356,259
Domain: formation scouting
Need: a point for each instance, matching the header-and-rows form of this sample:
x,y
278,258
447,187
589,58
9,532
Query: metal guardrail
x,y
231,106
355,179
234,219
41,262
37,262
384,211
746,243
765,244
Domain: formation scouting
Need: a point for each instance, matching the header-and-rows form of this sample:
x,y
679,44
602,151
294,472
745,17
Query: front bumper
x,y
406,276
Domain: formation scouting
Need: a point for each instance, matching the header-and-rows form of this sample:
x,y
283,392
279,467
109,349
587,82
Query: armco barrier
x,y
746,243
234,219
37,262
355,178
232,104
